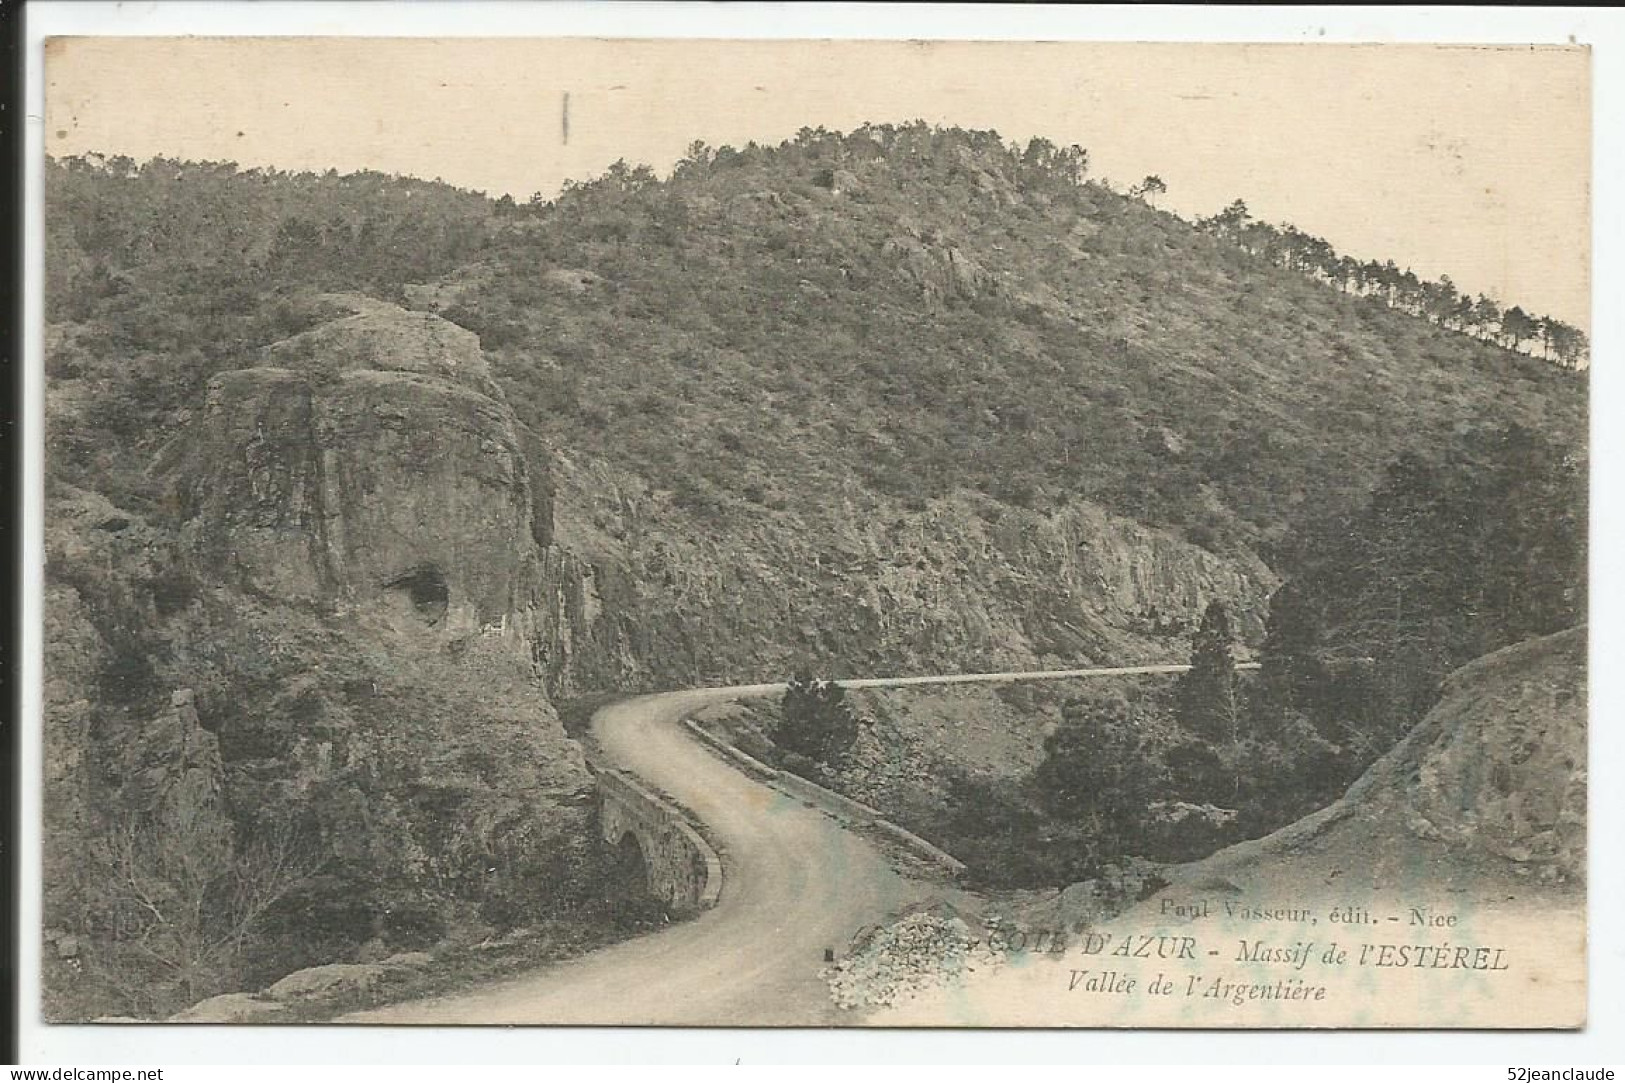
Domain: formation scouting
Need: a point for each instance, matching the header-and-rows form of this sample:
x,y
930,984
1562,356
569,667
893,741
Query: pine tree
x,y
1291,672
1097,775
1205,698
1149,189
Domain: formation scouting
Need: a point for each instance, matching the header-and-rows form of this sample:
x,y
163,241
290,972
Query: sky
x,y
1467,161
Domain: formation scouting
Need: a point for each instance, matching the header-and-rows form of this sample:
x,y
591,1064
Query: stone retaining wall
x,y
845,809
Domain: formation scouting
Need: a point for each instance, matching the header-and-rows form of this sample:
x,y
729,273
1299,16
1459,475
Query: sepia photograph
x,y
814,533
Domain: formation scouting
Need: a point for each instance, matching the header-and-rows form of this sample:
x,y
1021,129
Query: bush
x,y
816,721
412,925
1098,775
1003,836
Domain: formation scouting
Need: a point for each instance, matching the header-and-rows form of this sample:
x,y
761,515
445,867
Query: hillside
x,y
849,384
298,722
352,480
944,318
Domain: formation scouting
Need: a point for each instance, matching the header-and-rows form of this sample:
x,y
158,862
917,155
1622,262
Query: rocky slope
x,y
313,679
906,400
1493,778
1487,792
903,399
364,564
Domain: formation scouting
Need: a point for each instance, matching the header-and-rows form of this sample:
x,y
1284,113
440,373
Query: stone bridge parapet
x,y
682,870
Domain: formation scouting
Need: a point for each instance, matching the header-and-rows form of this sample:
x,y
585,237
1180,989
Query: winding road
x,y
795,883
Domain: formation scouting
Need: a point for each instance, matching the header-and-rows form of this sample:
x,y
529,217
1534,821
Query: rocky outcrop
x,y
349,577
589,633
174,777
1499,766
230,1008
74,657
104,588
378,336
369,463
319,982
940,270
369,470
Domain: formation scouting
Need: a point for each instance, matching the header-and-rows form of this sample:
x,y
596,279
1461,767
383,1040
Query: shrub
x,y
1098,777
816,721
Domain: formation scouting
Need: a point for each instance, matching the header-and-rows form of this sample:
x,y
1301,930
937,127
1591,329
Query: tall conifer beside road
x,y
1206,698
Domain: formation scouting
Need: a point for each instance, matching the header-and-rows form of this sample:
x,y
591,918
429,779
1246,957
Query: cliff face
x,y
869,588
369,471
74,655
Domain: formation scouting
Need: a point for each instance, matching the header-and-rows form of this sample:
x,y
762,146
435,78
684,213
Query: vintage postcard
x,y
815,533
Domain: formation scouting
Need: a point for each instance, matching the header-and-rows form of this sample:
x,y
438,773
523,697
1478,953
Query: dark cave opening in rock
x,y
425,587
